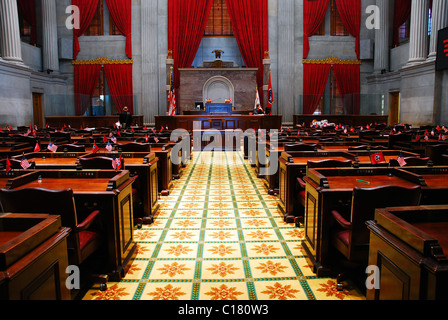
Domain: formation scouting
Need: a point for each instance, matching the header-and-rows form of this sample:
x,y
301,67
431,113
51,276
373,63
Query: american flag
x,y
116,163
24,163
109,147
52,147
172,96
113,139
401,160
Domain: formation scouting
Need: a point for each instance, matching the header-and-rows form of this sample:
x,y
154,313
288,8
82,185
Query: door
x,y
394,116
37,110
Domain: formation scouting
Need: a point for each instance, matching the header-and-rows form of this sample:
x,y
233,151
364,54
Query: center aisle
x,y
219,236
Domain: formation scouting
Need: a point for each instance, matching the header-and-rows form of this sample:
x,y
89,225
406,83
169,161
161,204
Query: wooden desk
x,y
220,122
164,167
292,165
56,160
33,257
409,247
14,149
346,120
144,166
108,191
364,156
331,188
89,122
434,182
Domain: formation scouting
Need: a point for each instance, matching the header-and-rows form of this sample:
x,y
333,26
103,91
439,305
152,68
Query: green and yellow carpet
x,y
220,236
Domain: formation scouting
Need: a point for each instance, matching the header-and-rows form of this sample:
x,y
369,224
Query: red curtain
x,y
121,14
314,12
119,80
350,12
187,20
86,77
250,23
348,81
402,12
87,10
315,77
27,10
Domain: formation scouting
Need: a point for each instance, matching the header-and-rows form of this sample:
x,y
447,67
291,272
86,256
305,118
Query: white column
x,y
382,38
10,32
50,36
418,44
439,21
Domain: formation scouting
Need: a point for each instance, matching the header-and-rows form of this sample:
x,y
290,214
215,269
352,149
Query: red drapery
x,y
348,81
350,12
121,13
402,12
87,10
119,80
187,20
315,78
86,77
27,9
314,12
250,23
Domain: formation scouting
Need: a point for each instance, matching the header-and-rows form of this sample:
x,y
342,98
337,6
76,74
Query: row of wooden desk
x,y
409,246
108,191
144,176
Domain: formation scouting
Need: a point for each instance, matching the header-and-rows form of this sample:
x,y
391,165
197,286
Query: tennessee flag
x,y
270,94
172,97
377,158
95,148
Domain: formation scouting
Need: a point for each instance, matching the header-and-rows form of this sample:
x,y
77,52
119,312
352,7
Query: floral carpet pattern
x,y
220,236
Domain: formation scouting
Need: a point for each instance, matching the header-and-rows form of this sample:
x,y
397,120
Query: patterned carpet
x,y
219,236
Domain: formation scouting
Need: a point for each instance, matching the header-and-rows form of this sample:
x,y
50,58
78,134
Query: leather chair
x,y
85,238
135,147
301,185
350,235
412,162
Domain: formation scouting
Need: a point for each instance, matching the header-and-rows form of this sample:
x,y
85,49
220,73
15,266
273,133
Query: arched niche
x,y
218,89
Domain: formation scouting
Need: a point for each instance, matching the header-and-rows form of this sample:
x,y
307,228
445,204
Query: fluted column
x,y
418,44
439,21
50,36
10,32
382,38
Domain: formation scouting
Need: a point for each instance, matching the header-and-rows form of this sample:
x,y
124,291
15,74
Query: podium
x,y
219,108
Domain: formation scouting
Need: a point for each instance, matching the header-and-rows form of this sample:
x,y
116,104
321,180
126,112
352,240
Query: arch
x,y
218,89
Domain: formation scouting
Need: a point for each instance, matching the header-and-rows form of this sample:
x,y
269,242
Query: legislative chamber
x,y
243,150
